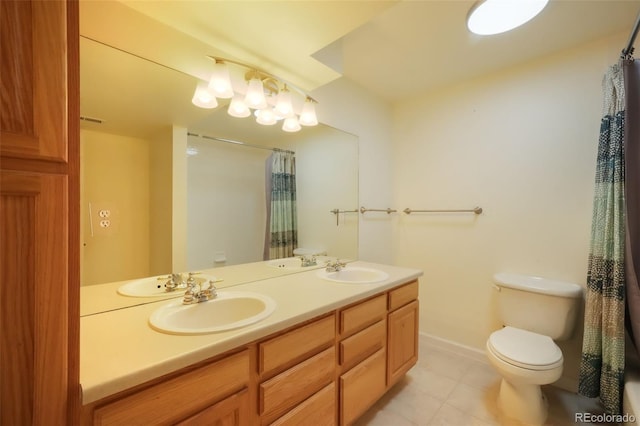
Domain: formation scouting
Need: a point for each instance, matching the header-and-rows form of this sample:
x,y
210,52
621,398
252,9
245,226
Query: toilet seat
x,y
525,349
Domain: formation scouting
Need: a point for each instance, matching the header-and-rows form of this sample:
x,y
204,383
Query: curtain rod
x,y
628,51
214,138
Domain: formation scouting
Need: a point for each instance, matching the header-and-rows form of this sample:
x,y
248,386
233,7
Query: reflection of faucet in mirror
x,y
174,281
307,260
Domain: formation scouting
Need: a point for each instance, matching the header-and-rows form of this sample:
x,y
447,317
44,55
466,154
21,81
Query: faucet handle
x,y
212,290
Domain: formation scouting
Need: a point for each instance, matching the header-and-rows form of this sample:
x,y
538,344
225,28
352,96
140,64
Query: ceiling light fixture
x,y
489,17
269,96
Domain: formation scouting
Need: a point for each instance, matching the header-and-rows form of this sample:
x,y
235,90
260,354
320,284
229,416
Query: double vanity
x,y
310,347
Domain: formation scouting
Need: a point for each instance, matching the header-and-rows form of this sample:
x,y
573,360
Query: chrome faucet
x,y
174,282
191,296
307,261
335,266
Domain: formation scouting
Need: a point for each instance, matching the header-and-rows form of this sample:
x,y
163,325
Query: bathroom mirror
x,y
161,195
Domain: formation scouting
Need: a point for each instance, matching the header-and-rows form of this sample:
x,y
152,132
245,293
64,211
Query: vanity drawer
x,y
231,411
403,295
363,314
361,387
169,401
359,346
296,344
317,410
282,392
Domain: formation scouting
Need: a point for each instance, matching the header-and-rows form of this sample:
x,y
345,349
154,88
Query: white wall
x,y
521,144
346,106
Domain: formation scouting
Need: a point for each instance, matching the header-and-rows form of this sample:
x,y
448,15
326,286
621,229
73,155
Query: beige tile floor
x,y
446,388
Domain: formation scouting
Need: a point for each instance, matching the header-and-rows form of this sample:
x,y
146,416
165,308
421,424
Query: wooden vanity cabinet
x,y
323,372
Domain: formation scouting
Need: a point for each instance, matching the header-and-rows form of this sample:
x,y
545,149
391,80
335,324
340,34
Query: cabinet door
x,y
231,411
33,47
33,297
361,387
402,344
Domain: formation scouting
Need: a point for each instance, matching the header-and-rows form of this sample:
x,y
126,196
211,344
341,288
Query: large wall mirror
x,y
167,188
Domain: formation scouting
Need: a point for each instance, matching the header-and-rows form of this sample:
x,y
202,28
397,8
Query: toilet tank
x,y
538,304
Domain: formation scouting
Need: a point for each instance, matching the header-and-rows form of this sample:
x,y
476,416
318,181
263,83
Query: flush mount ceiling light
x,y
269,96
498,16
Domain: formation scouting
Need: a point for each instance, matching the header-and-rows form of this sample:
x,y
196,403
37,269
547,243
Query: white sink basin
x,y
354,275
295,263
229,310
154,287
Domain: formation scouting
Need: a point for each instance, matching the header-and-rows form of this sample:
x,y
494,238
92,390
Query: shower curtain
x,y
282,222
602,361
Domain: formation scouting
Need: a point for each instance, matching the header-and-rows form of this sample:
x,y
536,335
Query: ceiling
x,y
395,49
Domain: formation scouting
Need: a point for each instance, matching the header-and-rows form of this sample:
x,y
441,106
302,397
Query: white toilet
x,y
535,312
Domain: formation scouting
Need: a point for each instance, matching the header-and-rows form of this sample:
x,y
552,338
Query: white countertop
x,y
119,350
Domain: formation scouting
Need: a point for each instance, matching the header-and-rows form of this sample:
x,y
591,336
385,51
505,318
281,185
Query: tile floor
x,y
446,388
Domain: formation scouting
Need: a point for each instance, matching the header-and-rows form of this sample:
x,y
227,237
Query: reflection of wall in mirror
x,y
328,179
115,177
226,204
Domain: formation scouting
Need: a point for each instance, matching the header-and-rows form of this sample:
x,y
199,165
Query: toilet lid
x,y
525,348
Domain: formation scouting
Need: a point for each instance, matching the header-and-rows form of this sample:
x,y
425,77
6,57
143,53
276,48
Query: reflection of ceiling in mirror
x,y
133,96
220,124
139,98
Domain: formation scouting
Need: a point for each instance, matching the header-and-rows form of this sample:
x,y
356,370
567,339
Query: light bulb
x,y
308,114
266,117
284,107
203,97
255,94
291,124
237,108
220,83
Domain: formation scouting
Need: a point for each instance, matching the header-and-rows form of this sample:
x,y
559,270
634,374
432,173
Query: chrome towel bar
x,y
476,210
363,210
336,211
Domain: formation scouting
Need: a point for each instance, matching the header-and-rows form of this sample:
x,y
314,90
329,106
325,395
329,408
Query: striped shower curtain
x,y
602,361
282,234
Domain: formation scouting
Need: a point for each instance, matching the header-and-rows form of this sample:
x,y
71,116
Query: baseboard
x,y
569,384
457,348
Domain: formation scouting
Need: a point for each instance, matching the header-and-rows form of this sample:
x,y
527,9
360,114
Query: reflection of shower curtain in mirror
x,y
282,223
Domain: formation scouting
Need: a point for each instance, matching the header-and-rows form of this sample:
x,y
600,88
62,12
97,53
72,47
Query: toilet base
x,y
523,402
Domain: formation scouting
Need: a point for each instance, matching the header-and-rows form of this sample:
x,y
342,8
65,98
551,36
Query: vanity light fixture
x,y
488,17
203,97
269,96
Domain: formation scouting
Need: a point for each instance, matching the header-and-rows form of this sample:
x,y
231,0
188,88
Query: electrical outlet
x,y
105,223
104,213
